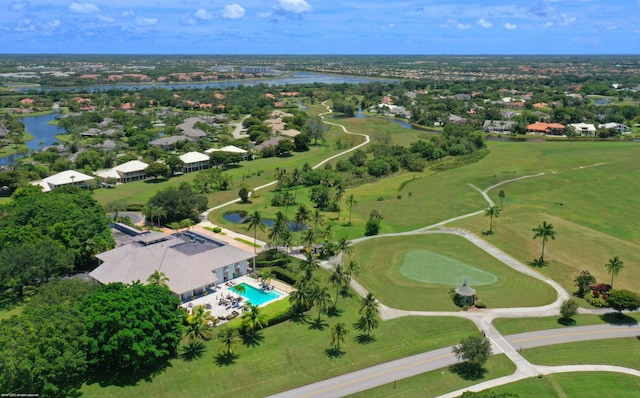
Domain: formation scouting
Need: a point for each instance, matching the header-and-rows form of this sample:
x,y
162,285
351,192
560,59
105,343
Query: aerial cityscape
x,y
301,199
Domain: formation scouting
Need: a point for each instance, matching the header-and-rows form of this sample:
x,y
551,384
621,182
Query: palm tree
x,y
321,300
344,246
501,195
491,211
296,179
287,200
339,279
151,211
353,269
199,324
228,339
369,315
351,202
310,237
544,231
158,279
317,218
614,266
278,229
281,176
254,319
255,222
337,334
301,299
339,193
310,263
302,218
267,275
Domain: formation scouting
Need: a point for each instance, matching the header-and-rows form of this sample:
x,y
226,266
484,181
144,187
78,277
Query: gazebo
x,y
467,293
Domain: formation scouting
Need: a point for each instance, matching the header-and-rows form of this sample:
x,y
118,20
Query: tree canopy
x,y
180,203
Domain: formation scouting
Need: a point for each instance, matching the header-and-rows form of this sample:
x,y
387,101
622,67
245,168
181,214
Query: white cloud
x,y
125,14
452,23
484,23
566,20
106,18
19,5
203,14
292,6
390,26
142,21
84,8
267,14
54,23
233,11
547,24
510,26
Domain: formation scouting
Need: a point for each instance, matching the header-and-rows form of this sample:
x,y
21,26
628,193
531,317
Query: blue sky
x,y
321,26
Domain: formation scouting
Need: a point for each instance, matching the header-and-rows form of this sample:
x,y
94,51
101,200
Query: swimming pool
x,y
256,296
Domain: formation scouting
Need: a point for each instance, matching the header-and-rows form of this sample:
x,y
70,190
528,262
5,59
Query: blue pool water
x,y
257,297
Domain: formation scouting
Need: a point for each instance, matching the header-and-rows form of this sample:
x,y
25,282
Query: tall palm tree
x,y
282,177
229,340
199,324
255,222
337,334
351,202
321,299
338,195
287,200
310,263
278,229
302,218
352,269
301,298
296,180
338,278
369,315
614,266
158,278
266,276
501,195
317,219
344,246
544,231
309,237
254,319
491,212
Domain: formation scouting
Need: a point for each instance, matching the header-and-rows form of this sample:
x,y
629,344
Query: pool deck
x,y
223,302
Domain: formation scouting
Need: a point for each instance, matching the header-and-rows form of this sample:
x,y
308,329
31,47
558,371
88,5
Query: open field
x,y
292,354
570,385
619,352
508,326
382,258
595,222
440,381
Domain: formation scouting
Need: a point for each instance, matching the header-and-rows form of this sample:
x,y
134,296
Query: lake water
x,y
241,218
293,78
43,134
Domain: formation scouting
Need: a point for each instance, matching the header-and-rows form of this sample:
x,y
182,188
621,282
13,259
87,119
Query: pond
x,y
44,134
240,217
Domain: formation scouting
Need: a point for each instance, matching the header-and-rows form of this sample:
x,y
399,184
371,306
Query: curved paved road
x,y
389,372
406,367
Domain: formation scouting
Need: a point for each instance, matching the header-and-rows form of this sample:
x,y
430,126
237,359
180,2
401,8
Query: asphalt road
x,y
390,372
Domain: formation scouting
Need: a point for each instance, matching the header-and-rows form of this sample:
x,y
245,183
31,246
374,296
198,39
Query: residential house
x,y
586,129
192,262
541,128
133,170
457,119
188,127
229,148
169,143
498,126
620,128
194,161
68,177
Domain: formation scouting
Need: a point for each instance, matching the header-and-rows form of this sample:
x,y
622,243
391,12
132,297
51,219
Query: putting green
x,y
429,267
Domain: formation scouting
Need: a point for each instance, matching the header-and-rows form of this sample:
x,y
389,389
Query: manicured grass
x,y
430,267
293,354
440,381
508,326
619,352
382,258
569,385
250,243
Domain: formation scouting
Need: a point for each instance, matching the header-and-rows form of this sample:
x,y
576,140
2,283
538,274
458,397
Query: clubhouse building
x,y
192,262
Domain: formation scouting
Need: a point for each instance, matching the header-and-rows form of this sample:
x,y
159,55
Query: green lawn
x,y
508,326
619,352
382,258
440,381
575,385
292,355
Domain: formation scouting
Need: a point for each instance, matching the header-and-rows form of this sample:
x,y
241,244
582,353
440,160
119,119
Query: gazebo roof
x,y
465,290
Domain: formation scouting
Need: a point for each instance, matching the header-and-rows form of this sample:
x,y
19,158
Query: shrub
x,y
216,229
380,199
399,197
595,301
372,228
135,206
600,289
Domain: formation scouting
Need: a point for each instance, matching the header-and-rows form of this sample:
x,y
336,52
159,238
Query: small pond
x,y
241,218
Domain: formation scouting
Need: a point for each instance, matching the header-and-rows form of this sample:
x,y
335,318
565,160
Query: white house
x,y
584,129
621,128
192,262
194,161
132,170
68,177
